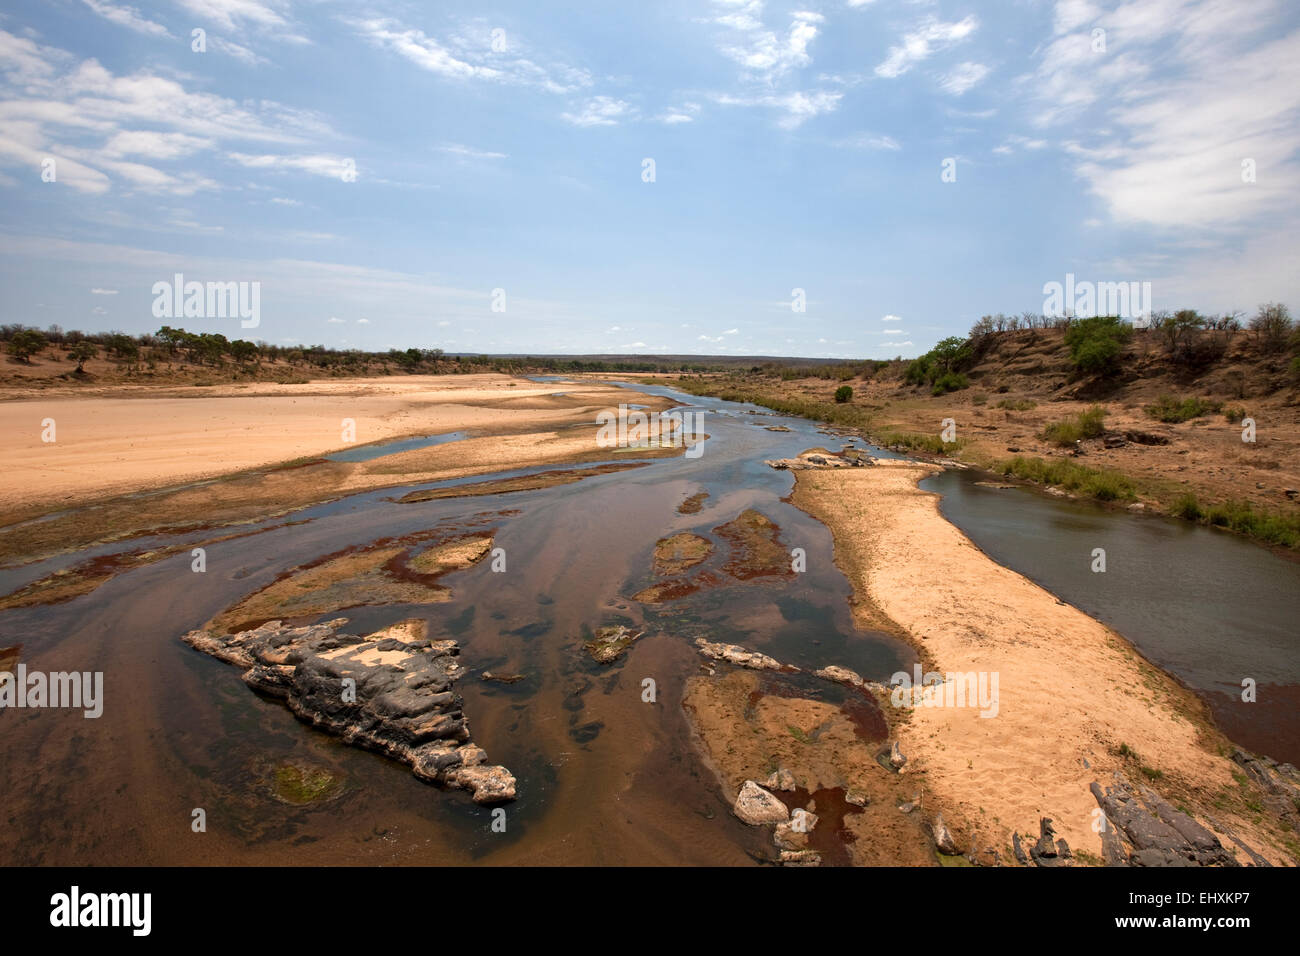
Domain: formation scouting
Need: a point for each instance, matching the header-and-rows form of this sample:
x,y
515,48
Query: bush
x,y
843,394
1171,411
1021,405
1096,343
948,382
25,343
1240,516
1087,424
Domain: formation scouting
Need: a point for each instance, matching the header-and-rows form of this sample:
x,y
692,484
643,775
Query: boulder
x,y
757,806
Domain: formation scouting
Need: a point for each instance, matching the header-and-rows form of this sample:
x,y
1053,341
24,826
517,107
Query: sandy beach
x,y
1075,701
130,440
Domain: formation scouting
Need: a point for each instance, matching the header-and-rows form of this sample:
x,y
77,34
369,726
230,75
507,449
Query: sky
x,y
854,178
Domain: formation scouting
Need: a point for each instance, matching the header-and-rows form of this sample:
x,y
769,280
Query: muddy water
x,y
603,777
1207,606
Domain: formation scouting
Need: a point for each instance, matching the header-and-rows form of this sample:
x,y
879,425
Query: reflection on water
x,y
1207,606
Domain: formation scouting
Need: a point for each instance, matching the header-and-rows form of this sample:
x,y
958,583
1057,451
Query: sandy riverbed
x,y
124,442
1071,692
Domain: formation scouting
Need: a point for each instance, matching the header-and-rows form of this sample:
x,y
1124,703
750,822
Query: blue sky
x,y
502,145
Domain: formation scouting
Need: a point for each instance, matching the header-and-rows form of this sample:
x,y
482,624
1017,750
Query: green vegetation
x,y
1168,409
1091,482
913,441
940,368
1095,344
843,394
1087,424
849,416
1241,516
949,382
25,343
1020,405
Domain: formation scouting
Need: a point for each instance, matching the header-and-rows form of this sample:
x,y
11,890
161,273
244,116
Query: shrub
x,y
1102,485
843,394
1019,405
1095,343
1272,326
948,382
25,343
1171,411
1087,424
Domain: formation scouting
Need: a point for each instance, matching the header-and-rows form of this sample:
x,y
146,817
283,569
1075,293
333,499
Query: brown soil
x,y
746,733
693,504
675,554
756,548
389,571
545,479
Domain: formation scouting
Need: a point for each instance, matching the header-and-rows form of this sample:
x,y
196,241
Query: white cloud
x,y
963,78
333,167
794,108
237,14
127,17
334,320
468,55
103,291
468,152
761,51
865,141
931,36
600,111
1167,149
891,318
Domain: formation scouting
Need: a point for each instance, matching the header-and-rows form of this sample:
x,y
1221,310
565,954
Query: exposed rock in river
x,y
390,692
610,643
1143,829
757,806
735,654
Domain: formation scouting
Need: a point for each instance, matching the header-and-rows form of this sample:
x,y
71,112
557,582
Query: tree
x,y
1095,343
26,343
843,394
242,351
81,353
1272,326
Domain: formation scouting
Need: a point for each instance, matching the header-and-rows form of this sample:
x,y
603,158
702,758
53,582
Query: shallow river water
x,y
603,778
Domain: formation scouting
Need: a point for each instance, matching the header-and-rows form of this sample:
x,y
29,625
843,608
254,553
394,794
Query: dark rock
x,y
391,693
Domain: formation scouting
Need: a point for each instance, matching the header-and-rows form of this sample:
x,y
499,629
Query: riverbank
x,y
122,468
1198,470
1075,702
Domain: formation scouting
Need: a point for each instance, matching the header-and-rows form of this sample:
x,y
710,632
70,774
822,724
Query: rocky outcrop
x,y
809,460
1049,851
757,806
1279,783
735,654
610,643
390,692
943,838
1141,828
